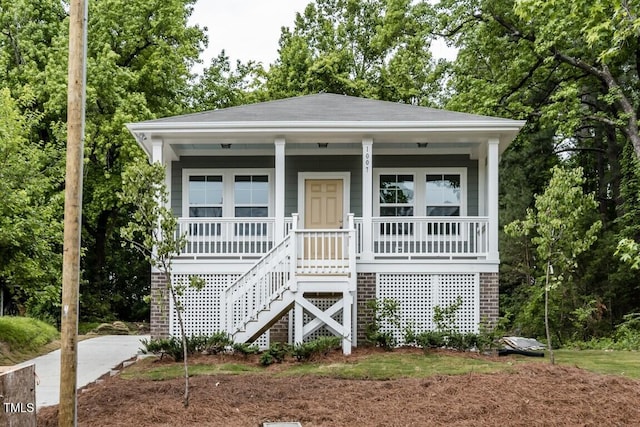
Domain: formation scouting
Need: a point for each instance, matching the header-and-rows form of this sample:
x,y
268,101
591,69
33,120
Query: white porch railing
x,y
406,237
326,251
258,287
430,236
302,252
227,237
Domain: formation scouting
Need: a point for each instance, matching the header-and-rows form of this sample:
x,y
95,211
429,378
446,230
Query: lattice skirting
x,y
201,308
418,294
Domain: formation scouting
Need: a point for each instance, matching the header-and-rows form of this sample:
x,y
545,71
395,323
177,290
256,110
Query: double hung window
x,y
205,200
443,198
251,199
397,199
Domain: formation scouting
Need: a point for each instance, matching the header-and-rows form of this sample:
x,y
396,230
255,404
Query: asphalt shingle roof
x,y
327,107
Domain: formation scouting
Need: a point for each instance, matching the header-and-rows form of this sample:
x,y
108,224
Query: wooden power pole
x,y
67,415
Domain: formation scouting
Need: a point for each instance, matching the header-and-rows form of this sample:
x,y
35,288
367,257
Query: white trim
x,y
367,196
419,181
228,178
493,157
346,190
435,267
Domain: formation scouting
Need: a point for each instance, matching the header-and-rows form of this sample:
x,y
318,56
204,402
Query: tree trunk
x,y
176,306
546,314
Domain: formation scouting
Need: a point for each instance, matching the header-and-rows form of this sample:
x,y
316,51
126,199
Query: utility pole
x,y
67,415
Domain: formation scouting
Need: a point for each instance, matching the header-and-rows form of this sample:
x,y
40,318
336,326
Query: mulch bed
x,y
531,394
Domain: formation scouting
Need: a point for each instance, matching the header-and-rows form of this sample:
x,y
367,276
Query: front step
x,y
265,319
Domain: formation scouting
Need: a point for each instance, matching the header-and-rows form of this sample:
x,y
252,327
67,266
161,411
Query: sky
x,y
250,29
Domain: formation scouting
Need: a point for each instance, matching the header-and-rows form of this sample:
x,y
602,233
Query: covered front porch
x,y
383,238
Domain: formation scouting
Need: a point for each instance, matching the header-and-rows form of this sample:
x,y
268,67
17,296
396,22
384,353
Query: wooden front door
x,y
323,203
323,209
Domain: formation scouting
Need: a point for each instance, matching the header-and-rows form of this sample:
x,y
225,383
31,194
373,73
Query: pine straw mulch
x,y
530,394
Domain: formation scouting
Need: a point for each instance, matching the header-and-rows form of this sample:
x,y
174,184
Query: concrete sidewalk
x,y
96,357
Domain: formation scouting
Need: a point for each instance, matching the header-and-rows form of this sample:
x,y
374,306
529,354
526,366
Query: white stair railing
x,y
257,288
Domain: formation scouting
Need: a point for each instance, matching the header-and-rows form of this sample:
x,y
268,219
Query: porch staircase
x,y
305,260
262,295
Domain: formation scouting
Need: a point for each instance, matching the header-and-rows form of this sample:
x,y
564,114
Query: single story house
x,y
299,211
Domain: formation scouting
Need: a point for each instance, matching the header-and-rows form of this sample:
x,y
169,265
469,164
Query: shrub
x,y
274,354
385,310
218,343
245,349
430,339
320,346
164,346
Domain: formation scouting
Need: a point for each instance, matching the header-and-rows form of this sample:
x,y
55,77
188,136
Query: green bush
x,y
318,347
245,349
430,339
218,343
276,353
385,310
171,346
25,333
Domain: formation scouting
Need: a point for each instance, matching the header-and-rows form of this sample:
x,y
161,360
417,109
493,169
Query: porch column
x,y
367,199
492,196
279,187
157,151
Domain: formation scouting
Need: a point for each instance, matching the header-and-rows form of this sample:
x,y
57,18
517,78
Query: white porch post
x,y
367,198
157,150
347,333
280,189
492,197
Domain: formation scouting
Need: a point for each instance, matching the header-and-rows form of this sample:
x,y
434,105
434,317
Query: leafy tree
x,y
220,86
373,48
571,70
30,216
561,227
138,67
153,232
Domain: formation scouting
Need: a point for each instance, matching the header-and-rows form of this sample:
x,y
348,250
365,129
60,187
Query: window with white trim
x,y
443,195
251,195
251,199
205,195
397,199
420,192
396,195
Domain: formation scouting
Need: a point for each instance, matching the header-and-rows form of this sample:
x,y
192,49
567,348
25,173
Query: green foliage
x,y
372,48
431,339
218,343
385,314
276,353
629,252
30,216
445,318
319,347
25,334
245,349
171,346
562,227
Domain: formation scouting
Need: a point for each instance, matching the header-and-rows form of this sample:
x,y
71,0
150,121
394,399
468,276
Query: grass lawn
x,y
623,363
393,365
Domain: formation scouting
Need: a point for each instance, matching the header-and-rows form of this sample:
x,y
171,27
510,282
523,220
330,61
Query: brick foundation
x,y
366,286
159,306
489,303
279,332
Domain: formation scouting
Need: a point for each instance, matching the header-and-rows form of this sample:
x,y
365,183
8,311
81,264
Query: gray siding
x,y
348,163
